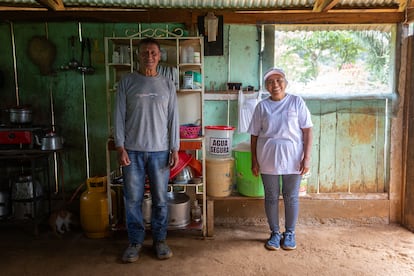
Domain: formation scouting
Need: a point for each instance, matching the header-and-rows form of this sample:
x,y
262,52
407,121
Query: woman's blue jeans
x,y
290,192
155,166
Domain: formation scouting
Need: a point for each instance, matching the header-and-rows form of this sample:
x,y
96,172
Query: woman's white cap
x,y
274,71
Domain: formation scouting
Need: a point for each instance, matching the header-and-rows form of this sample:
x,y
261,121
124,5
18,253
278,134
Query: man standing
x,y
146,130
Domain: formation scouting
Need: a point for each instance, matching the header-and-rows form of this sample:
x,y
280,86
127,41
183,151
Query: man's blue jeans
x,y
155,165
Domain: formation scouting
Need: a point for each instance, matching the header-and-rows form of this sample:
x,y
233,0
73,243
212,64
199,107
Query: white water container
x,y
219,141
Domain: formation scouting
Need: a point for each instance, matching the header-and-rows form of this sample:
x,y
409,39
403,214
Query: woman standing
x,y
281,144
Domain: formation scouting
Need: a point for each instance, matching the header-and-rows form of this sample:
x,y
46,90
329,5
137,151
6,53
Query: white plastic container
x,y
219,141
190,54
197,58
183,55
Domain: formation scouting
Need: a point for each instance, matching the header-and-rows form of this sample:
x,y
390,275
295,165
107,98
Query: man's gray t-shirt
x,y
146,114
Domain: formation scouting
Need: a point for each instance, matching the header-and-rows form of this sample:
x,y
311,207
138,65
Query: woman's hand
x,y
304,166
255,169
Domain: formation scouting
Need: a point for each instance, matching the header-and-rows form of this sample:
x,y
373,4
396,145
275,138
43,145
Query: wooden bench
x,y
210,208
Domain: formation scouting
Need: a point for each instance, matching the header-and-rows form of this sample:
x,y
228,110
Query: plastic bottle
x,y
196,212
115,57
197,58
184,55
190,54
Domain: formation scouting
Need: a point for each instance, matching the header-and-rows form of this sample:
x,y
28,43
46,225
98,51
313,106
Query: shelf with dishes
x,y
182,62
190,185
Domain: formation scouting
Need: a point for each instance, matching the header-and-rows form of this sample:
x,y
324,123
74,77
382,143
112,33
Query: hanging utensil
x,y
89,69
73,63
81,67
86,69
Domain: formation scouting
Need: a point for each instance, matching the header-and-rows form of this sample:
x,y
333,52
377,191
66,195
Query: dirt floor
x,y
321,250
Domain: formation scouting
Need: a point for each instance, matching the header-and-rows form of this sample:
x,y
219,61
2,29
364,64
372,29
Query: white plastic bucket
x,y
219,141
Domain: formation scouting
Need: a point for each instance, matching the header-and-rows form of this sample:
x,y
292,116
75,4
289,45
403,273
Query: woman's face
x,y
276,85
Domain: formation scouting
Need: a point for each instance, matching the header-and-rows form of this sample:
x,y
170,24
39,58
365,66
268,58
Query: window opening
x,y
337,62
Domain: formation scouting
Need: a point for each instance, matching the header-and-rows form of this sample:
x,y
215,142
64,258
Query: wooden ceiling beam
x,y
324,5
403,5
55,5
410,16
190,16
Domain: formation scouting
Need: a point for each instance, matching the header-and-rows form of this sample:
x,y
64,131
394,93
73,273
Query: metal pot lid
x,y
21,108
178,198
24,178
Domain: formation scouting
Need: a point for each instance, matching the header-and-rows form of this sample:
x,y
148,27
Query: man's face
x,y
149,55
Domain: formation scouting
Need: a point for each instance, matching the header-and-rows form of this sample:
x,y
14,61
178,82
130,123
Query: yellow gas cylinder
x,y
94,215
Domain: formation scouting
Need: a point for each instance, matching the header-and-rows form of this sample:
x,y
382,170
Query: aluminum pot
x,y
20,115
179,209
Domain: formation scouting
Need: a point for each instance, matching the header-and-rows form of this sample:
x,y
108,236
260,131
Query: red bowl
x,y
196,166
183,160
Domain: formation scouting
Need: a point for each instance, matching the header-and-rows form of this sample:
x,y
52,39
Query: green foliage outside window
x,y
336,62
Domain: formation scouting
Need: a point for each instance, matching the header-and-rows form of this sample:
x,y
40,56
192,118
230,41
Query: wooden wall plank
x,y
327,147
380,145
315,109
362,133
343,147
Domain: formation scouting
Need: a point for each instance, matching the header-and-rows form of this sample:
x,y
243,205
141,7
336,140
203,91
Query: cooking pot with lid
x,y
20,115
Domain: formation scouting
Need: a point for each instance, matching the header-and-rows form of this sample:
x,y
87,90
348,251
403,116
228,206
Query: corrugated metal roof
x,y
214,4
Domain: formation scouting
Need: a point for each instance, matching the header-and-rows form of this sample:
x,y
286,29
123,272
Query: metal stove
x,y
20,136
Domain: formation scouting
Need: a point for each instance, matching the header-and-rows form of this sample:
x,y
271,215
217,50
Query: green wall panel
x,y
349,149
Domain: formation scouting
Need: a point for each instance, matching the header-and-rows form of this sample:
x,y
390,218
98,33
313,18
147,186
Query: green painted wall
x,y
348,153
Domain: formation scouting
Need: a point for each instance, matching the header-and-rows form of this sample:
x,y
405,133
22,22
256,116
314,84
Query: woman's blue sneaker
x,y
288,242
273,243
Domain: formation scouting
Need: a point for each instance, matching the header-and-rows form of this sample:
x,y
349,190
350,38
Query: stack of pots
x,y
219,161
